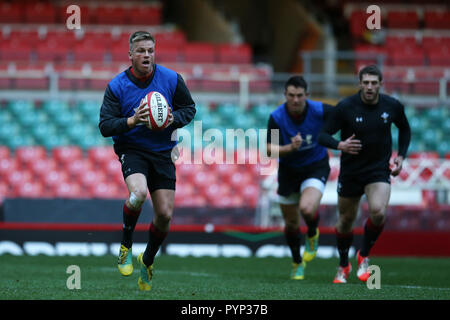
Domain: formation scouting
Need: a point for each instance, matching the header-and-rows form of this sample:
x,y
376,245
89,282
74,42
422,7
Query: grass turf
x,y
43,277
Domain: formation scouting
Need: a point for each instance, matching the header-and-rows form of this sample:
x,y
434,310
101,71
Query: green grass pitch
x,y
189,278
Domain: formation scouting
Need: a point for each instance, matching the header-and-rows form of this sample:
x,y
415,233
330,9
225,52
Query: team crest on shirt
x,y
385,116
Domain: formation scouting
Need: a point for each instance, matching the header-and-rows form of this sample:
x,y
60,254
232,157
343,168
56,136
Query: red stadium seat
x,y
67,154
111,15
396,80
432,42
199,52
439,56
4,191
216,190
146,16
18,177
250,194
67,189
101,155
103,190
358,23
15,50
167,53
11,12
76,167
55,177
170,38
40,12
52,50
202,179
437,19
236,54
64,38
4,152
29,190
91,177
8,165
101,39
239,179
30,37
88,51
407,56
427,81
367,54
224,170
40,167
400,41
25,155
403,19
184,190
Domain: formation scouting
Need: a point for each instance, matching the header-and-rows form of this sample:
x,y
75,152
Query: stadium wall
x,y
78,227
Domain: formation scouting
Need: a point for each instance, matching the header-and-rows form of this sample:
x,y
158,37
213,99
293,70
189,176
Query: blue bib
x,y
310,151
129,95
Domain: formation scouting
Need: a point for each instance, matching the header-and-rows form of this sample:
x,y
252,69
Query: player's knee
x,y
377,217
377,214
164,213
345,222
308,211
137,198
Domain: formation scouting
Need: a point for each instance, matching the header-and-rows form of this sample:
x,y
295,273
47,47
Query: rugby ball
x,y
159,110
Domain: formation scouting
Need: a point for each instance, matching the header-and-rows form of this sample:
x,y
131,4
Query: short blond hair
x,y
139,36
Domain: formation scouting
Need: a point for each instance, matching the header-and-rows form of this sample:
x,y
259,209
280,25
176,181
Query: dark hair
x,y
139,36
372,70
296,81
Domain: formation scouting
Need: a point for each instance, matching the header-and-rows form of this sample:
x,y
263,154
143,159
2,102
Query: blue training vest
x,y
310,151
129,95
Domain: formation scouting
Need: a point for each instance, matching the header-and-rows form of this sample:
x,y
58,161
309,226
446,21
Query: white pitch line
x,y
415,287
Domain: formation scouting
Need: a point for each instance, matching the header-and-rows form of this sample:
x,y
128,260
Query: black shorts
x,y
157,167
353,186
290,179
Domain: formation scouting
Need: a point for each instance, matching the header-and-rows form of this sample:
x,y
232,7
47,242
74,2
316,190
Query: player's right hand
x,y
296,141
141,114
350,145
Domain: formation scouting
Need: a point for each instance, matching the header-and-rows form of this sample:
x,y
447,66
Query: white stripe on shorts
x,y
294,197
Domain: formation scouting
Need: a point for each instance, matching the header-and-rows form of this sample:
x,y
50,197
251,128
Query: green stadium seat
x,y
262,112
212,120
434,116
201,110
52,107
42,131
19,140
227,111
5,116
65,119
54,141
19,107
8,129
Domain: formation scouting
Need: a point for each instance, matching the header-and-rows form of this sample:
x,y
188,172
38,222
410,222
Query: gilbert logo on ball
x,y
159,110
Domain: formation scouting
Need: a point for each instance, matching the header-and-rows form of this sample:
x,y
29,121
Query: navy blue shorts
x,y
157,167
353,186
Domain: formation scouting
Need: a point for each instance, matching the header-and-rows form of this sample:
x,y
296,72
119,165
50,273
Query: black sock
x,y
156,238
293,239
371,233
312,225
130,218
344,241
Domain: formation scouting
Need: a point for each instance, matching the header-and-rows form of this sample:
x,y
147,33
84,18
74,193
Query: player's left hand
x,y
170,119
398,162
